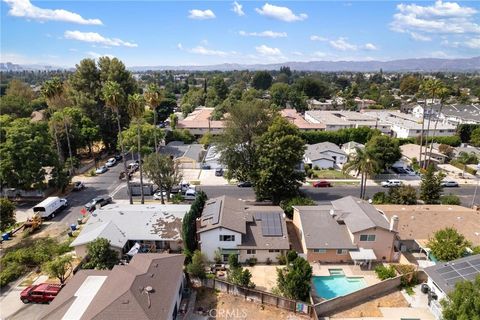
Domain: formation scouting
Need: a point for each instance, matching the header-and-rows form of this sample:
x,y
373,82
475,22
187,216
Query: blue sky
x,y
202,32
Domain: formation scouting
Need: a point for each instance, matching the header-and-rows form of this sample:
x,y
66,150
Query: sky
x,y
152,33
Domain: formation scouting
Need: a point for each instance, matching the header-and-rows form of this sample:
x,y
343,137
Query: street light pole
x,y
476,187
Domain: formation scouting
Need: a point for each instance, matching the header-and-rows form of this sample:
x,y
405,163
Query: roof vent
x,y
332,212
126,301
149,289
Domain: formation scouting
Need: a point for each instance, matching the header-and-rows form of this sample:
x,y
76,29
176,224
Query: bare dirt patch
x,y
372,308
220,305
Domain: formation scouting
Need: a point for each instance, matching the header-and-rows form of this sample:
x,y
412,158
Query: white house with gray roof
x,y
324,155
154,227
344,230
188,156
233,226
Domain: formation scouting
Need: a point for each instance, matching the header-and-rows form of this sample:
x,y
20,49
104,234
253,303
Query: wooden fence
x,y
258,296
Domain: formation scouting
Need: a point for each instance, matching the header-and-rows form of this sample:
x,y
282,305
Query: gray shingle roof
x,y
317,151
359,215
178,149
321,230
122,295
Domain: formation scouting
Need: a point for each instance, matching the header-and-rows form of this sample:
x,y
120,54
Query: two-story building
x,y
231,226
348,229
324,155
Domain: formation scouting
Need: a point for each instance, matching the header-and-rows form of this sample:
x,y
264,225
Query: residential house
x,y
199,122
189,156
335,120
232,226
212,158
299,121
329,104
343,230
458,114
410,151
418,223
350,148
443,276
324,155
150,287
154,227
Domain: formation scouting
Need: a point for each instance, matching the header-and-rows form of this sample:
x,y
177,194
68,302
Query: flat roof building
x,y
335,120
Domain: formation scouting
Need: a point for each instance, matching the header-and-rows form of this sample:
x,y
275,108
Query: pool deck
x,y
349,270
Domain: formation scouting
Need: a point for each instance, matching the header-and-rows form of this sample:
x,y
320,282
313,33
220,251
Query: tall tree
x,y
466,158
442,94
136,109
384,149
163,171
463,303
280,151
447,244
262,80
431,186
112,95
364,163
152,97
60,267
280,94
100,255
7,214
294,280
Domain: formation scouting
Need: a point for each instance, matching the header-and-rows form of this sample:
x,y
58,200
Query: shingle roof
x,y
317,151
321,230
359,215
120,223
122,295
179,149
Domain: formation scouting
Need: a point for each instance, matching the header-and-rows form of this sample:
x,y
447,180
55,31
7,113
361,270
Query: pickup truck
x,y
40,293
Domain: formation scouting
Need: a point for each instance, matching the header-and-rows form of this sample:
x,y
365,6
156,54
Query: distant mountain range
x,y
417,65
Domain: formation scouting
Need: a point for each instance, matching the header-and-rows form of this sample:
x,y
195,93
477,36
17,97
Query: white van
x,y
48,207
391,183
190,194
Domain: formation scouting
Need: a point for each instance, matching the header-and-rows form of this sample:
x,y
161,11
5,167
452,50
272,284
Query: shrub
x,y
287,205
92,173
461,166
291,256
316,168
268,261
178,198
404,268
384,272
282,259
251,261
450,199
380,198
197,267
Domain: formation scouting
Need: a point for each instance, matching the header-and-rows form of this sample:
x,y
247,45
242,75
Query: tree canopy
x,y
262,80
448,244
100,255
463,303
431,186
294,280
384,149
7,213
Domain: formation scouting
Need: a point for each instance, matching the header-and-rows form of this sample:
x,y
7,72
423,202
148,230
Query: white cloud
x,y
238,8
208,52
93,37
266,34
25,9
420,37
280,13
342,44
319,54
370,46
438,18
201,14
98,55
179,46
268,51
473,43
318,38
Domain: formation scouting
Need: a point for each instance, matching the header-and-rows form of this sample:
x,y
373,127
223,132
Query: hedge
x,y
359,135
460,166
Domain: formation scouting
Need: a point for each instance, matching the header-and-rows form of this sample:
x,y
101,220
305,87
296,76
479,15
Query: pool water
x,y
329,287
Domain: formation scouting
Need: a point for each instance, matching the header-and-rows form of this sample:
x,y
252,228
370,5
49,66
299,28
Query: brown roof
x,y
122,295
200,119
297,119
420,222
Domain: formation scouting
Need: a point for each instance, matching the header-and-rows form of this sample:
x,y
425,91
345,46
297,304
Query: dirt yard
x,y
219,306
371,308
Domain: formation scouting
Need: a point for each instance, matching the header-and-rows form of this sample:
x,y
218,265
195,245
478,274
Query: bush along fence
x,y
338,304
258,296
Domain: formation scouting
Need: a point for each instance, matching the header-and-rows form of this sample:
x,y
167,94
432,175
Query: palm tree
x,y
442,94
136,109
152,97
466,158
365,164
431,87
113,96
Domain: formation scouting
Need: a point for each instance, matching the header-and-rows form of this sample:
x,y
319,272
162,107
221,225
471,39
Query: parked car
x,y
206,166
219,172
101,170
449,184
40,293
182,187
118,157
111,162
158,195
244,184
133,166
78,185
322,184
101,200
190,194
391,183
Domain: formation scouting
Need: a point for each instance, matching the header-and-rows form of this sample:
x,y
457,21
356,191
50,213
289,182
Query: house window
x,y
273,250
227,237
251,251
320,250
367,237
342,251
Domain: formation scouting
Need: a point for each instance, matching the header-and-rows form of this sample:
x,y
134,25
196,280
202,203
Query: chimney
x,y
394,223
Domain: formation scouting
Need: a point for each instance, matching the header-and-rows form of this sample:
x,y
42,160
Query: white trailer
x,y
51,205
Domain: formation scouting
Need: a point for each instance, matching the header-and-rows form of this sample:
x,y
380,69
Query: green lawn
x,y
331,174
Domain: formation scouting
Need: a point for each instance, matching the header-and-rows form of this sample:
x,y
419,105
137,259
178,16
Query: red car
x,y
40,293
322,184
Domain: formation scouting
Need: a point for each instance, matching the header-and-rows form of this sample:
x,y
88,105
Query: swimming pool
x,y
329,287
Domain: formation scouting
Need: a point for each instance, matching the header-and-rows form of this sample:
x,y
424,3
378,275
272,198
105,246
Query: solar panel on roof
x,y
450,275
461,265
445,269
466,271
270,222
475,262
